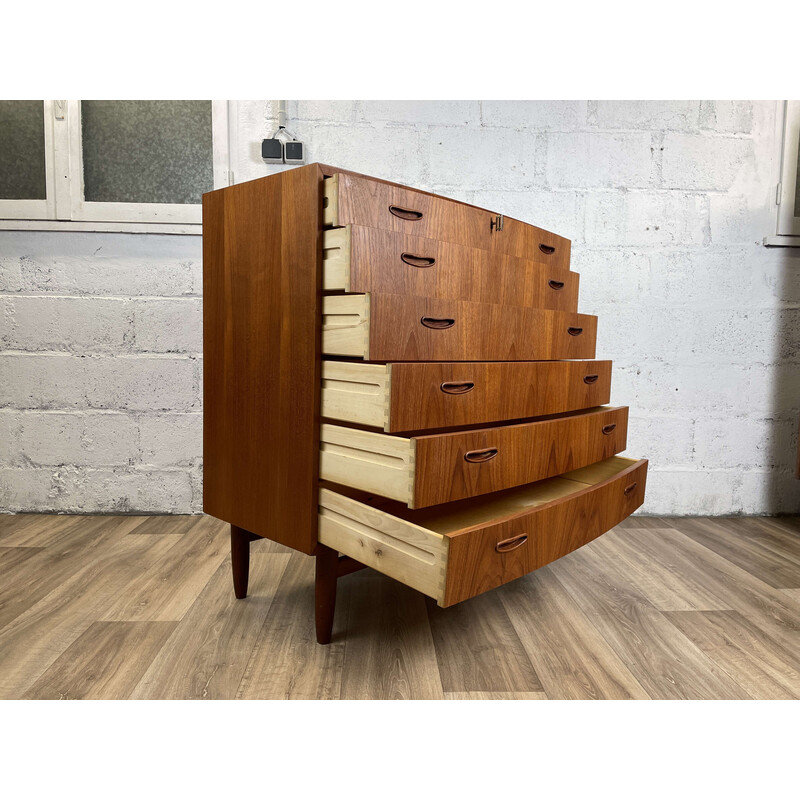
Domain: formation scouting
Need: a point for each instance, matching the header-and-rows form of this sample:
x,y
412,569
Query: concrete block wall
x,y
666,204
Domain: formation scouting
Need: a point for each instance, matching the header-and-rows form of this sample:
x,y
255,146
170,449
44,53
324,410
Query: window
x,y
111,164
788,190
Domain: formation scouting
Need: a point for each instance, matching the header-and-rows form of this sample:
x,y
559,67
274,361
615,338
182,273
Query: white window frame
x,y
787,225
65,207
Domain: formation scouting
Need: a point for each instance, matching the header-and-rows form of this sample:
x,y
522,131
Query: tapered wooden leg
x,y
240,559
327,571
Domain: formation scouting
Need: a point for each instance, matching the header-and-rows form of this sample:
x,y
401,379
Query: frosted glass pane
x,y
22,150
146,151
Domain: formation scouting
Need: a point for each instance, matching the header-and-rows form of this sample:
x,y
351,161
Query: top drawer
x,y
353,199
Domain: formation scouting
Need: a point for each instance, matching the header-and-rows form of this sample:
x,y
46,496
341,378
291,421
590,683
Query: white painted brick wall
x,y
665,202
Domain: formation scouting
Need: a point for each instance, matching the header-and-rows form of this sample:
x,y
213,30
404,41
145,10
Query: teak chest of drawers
x,y
398,380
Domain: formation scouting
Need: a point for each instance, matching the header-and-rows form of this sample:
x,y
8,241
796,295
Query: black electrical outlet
x,y
294,151
272,150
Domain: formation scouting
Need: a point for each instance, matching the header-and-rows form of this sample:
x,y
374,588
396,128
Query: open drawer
x,y
461,549
361,259
393,327
356,199
430,469
414,396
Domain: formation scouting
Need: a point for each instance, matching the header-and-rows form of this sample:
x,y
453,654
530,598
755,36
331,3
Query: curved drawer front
x,y
410,396
453,466
357,200
429,470
387,327
456,551
551,531
361,259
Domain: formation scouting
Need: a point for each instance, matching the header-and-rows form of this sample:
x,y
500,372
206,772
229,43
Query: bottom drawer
x,y
455,551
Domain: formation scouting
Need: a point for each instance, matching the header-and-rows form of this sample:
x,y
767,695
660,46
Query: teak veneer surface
x,y
407,396
427,470
353,199
501,391
383,327
360,259
262,247
526,453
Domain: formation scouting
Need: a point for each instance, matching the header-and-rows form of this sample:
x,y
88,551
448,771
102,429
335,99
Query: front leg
x,y
240,559
327,572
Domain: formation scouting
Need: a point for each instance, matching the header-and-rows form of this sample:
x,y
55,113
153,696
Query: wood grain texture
x,y
262,250
286,662
394,263
206,656
34,639
361,200
58,560
571,658
107,659
167,591
754,550
524,453
765,667
501,391
478,649
495,696
396,331
589,628
389,651
663,661
553,530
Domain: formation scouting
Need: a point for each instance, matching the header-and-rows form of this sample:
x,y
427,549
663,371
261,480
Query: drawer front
x,y
491,555
357,200
403,328
430,470
361,259
454,466
441,395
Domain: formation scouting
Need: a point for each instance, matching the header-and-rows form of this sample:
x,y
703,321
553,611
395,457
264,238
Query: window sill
x,y
782,241
187,229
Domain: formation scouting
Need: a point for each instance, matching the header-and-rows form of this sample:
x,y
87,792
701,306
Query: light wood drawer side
x,y
356,392
365,460
403,551
345,325
336,260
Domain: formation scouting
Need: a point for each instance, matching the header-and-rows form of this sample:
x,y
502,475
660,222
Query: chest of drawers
x,y
397,380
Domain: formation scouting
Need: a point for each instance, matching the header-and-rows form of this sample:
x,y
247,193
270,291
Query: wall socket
x,y
276,151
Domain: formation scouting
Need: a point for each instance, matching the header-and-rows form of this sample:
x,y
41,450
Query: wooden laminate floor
x,y
143,607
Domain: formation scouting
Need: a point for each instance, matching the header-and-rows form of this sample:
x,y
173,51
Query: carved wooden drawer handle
x,y
629,489
417,261
454,387
556,284
608,428
511,544
590,378
438,324
405,213
574,331
480,456
546,249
